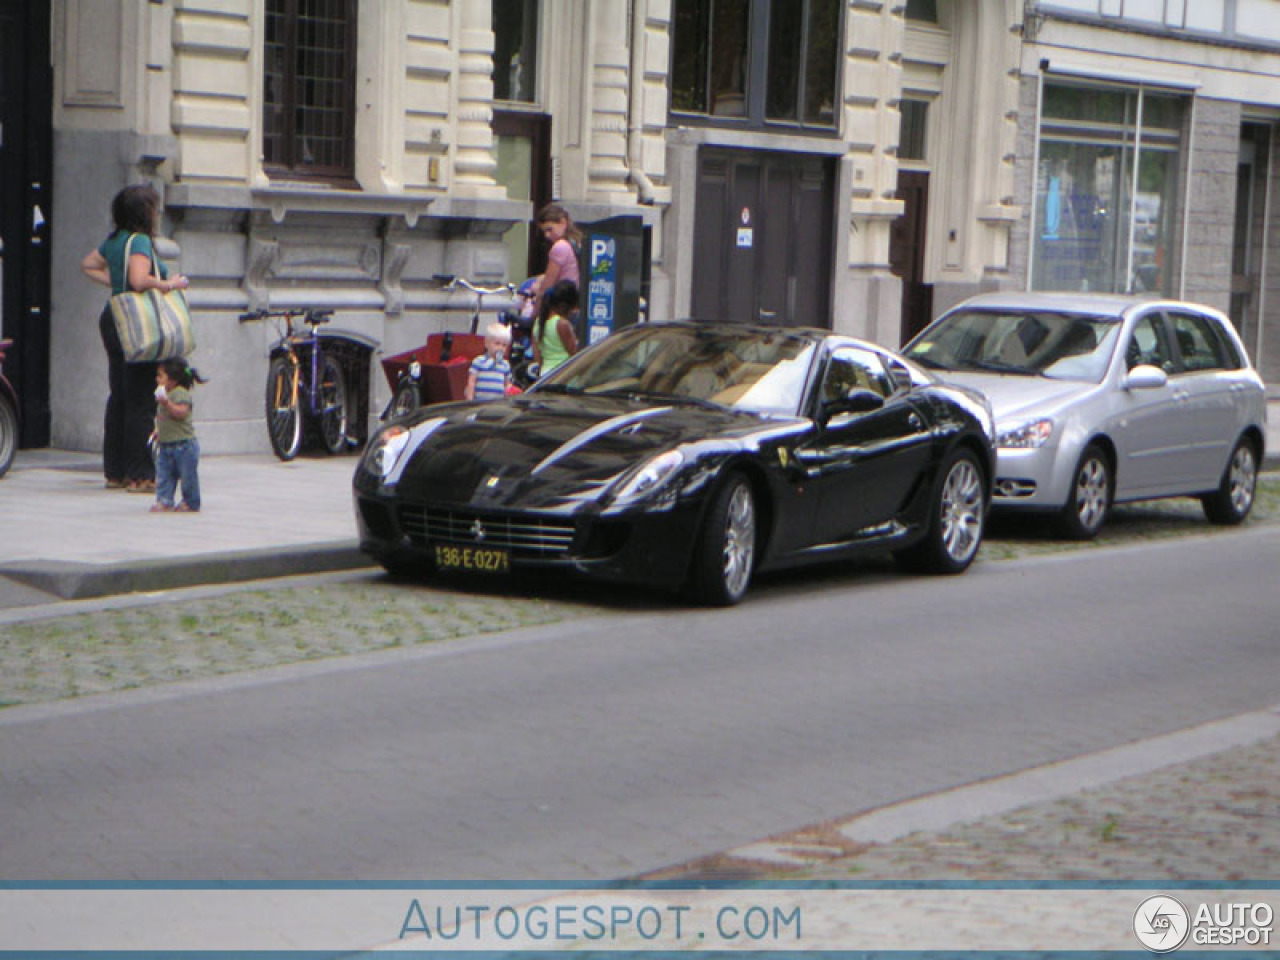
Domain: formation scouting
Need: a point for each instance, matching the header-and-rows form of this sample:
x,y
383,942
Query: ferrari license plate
x,y
473,559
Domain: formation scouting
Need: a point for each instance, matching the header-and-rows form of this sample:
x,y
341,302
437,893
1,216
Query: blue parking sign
x,y
601,286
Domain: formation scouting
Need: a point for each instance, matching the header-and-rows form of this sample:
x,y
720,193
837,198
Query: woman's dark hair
x,y
134,209
553,212
562,300
180,373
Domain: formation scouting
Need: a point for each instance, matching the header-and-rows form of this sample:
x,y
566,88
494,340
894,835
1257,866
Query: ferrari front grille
x,y
525,535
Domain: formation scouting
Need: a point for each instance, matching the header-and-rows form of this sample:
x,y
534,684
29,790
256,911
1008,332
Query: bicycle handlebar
x,y
311,316
508,288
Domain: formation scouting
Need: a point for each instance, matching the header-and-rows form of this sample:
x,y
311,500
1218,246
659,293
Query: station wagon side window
x,y
1199,343
852,368
1148,345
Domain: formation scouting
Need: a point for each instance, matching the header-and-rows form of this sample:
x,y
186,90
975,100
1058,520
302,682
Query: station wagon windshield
x,y
1062,346
760,371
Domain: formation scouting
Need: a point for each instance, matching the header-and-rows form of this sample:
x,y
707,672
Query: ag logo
x,y
1161,924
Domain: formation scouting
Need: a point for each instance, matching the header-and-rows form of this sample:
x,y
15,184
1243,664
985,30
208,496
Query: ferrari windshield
x,y
1063,346
763,371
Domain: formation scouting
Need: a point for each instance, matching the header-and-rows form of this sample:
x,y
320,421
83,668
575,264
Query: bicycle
x,y
8,417
301,387
407,396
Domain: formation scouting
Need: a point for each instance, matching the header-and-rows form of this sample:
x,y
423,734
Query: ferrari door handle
x,y
914,421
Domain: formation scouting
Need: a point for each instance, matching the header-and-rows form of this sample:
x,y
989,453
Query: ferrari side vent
x,y
522,535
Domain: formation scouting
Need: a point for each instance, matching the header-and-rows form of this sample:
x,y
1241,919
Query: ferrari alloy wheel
x,y
1233,499
727,551
956,520
1089,499
961,512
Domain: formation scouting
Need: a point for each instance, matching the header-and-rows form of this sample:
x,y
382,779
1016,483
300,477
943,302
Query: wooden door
x,y
763,238
906,253
26,97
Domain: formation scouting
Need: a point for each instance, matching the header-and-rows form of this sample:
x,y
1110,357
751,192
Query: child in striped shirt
x,y
490,372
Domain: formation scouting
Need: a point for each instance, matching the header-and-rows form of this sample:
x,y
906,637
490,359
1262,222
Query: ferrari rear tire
x,y
957,519
1231,502
726,549
1089,499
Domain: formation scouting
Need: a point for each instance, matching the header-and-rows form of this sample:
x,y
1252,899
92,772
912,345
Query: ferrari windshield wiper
x,y
559,388
682,398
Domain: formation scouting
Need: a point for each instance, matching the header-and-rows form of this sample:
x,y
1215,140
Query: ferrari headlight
x,y
1026,436
385,449
652,475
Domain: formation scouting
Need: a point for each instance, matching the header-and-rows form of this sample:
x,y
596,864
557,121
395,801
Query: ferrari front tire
x,y
726,550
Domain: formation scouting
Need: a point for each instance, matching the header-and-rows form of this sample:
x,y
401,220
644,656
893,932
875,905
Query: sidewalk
x,y
65,534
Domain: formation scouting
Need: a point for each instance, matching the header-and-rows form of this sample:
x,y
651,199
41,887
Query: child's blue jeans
x,y
177,462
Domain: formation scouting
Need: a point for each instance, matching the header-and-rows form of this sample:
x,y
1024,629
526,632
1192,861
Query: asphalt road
x,y
611,746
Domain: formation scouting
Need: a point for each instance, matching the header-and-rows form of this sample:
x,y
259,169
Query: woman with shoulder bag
x,y
126,461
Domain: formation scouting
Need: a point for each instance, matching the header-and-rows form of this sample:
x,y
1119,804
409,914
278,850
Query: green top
x,y
169,430
112,251
551,346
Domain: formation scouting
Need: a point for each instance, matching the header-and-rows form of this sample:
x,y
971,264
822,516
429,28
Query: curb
x,y
81,581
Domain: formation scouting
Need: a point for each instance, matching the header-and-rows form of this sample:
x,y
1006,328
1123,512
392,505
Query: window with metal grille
x,y
308,113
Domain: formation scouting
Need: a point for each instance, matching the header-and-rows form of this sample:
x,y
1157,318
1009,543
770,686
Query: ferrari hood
x,y
1014,397
547,451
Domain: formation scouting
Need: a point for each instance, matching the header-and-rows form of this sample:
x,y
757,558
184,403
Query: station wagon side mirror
x,y
1145,377
856,400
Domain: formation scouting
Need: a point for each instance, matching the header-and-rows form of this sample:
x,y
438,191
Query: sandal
x,y
185,507
141,486
114,484
163,508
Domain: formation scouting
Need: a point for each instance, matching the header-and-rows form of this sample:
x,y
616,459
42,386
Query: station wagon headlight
x,y
1026,436
385,450
652,475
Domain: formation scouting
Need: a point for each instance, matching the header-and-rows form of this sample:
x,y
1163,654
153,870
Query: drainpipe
x,y
635,107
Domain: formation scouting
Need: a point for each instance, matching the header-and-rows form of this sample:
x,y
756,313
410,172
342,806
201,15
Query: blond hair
x,y
498,331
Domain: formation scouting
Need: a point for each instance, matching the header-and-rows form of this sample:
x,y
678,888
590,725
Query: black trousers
x,y
131,410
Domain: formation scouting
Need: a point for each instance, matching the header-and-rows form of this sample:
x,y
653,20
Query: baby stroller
x,y
524,371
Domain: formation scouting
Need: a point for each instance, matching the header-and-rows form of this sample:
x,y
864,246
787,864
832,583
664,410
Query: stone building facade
x,y
847,163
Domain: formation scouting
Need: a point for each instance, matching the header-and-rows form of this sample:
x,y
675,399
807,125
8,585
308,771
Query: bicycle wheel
x,y
331,405
8,434
284,422
405,400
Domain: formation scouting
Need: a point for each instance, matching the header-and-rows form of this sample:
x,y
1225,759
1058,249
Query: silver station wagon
x,y
1106,399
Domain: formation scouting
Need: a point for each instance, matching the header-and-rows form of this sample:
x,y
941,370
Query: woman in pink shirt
x,y
562,261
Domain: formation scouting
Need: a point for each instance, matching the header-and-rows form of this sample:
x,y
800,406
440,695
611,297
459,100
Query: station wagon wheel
x,y
1089,499
727,549
956,519
1233,499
